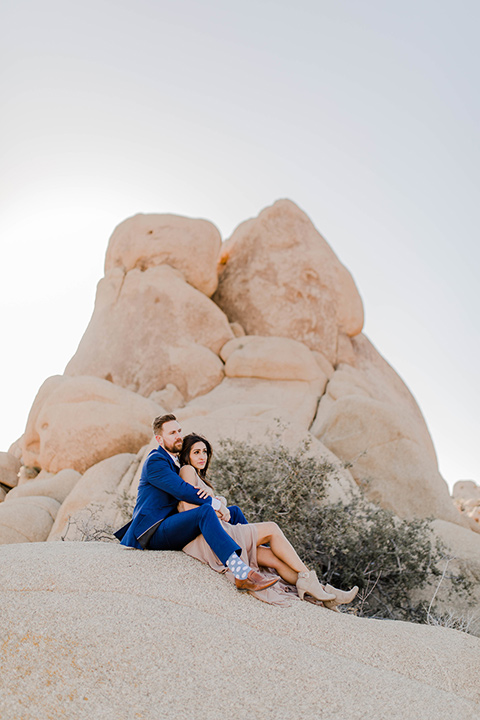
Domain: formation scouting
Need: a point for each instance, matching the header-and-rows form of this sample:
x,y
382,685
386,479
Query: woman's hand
x,y
223,513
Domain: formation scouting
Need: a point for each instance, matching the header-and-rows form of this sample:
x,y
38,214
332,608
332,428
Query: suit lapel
x,y
169,458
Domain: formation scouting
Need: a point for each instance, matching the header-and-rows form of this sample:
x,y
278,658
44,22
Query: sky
x,y
365,114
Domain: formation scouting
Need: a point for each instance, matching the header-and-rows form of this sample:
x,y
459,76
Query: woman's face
x,y
198,455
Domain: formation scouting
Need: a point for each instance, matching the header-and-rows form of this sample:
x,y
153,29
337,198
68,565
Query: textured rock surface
x,y
27,519
150,329
368,416
9,467
303,661
76,422
280,277
145,241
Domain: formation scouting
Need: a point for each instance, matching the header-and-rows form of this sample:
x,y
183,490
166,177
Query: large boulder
x,y
369,418
9,467
278,276
77,421
290,401
145,241
151,328
92,504
270,358
27,519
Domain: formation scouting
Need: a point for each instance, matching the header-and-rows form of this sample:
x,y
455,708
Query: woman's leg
x,y
266,558
269,532
307,582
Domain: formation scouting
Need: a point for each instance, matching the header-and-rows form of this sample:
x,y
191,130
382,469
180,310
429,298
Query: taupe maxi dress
x,y
246,537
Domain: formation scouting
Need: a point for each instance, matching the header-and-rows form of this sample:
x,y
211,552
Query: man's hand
x,y
203,493
223,513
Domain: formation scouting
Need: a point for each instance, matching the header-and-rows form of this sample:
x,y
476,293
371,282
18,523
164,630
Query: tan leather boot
x,y
307,584
342,597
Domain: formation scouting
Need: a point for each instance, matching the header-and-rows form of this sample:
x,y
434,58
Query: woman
x,y
279,555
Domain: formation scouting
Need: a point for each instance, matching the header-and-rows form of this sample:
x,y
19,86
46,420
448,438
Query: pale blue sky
x,y
363,113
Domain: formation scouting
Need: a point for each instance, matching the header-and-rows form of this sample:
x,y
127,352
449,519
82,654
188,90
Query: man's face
x,y
170,437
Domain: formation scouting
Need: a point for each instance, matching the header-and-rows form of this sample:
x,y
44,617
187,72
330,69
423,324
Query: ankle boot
x,y
307,584
341,597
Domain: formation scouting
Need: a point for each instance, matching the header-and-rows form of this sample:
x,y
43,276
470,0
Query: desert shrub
x,y
357,543
88,526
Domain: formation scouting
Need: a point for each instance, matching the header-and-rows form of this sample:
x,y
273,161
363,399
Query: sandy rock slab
x,y
141,632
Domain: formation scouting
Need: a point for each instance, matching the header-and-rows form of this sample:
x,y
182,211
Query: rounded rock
x,y
189,245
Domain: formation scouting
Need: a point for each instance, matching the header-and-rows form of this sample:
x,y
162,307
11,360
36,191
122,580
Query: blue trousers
x,y
178,530
236,516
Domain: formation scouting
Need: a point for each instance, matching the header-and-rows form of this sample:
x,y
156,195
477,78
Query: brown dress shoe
x,y
254,581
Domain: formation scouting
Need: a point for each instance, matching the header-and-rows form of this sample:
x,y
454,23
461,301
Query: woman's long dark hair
x,y
188,442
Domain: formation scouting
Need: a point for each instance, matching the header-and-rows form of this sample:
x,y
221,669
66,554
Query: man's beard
x,y
176,447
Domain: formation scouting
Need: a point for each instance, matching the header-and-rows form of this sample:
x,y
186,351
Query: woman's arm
x,y
188,475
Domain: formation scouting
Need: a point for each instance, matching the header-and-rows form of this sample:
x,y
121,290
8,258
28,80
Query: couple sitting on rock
x,y
176,510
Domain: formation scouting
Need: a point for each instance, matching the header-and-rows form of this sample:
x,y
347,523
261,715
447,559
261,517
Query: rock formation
x,y
266,328
153,322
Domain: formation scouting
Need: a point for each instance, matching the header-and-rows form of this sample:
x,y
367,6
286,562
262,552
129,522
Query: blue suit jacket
x,y
159,491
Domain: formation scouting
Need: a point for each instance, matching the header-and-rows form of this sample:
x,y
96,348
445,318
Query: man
x,y
156,523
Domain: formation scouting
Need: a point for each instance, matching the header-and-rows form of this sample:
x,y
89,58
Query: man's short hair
x,y
159,422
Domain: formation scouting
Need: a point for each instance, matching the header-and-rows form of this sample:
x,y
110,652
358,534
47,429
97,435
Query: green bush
x,y
354,544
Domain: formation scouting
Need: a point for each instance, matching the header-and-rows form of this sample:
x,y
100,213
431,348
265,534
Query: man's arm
x,y
164,478
188,474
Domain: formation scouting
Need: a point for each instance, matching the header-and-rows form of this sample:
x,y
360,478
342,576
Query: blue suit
x,y
156,522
